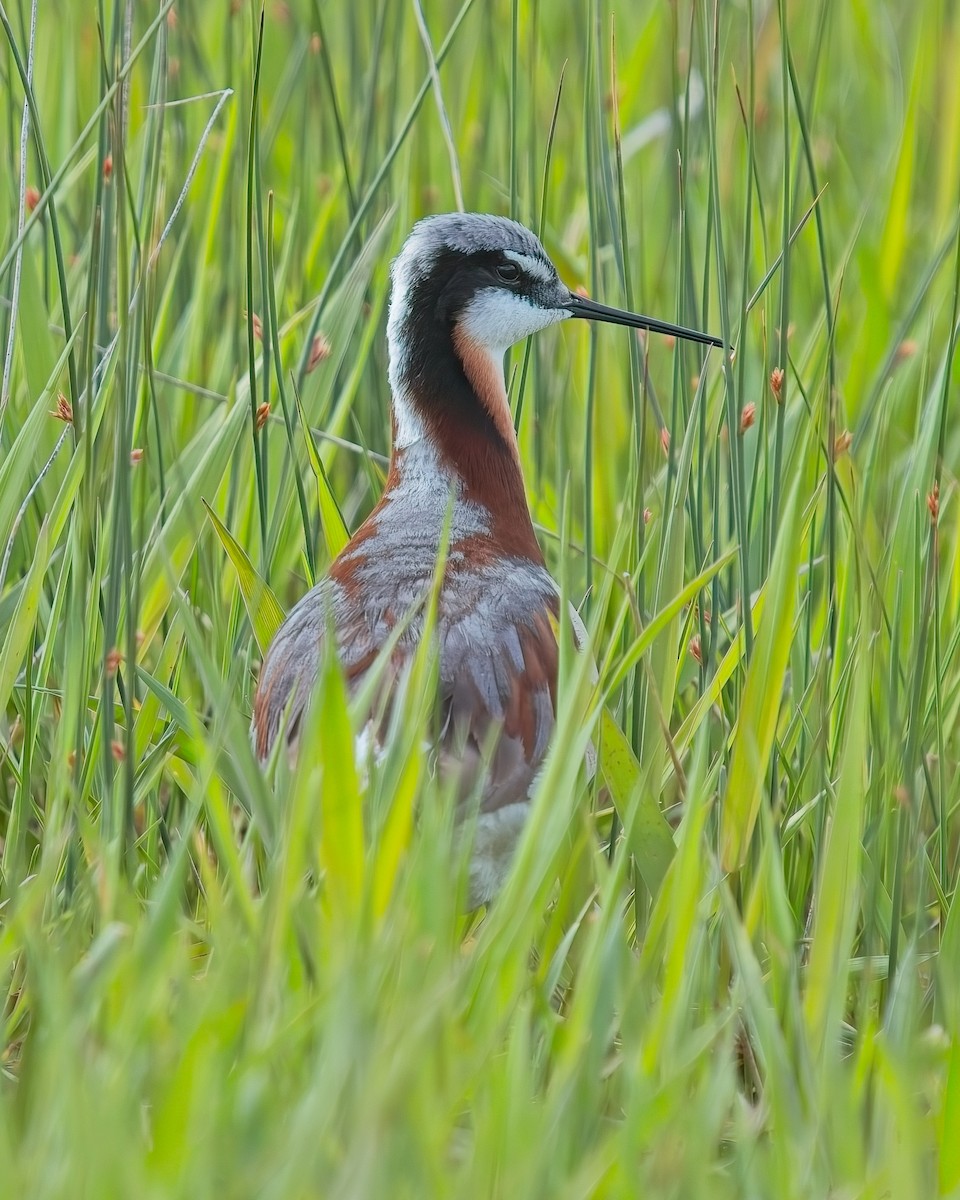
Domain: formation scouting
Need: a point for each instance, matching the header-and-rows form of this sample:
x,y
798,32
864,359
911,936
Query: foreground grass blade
x,y
762,699
335,532
648,833
263,608
837,898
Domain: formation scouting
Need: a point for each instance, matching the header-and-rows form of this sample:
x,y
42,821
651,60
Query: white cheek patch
x,y
497,320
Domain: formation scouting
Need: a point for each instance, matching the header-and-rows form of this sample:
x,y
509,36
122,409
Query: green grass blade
x,y
263,607
335,532
648,833
762,694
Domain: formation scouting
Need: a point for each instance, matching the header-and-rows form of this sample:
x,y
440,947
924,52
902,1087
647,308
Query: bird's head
x,y
478,284
488,277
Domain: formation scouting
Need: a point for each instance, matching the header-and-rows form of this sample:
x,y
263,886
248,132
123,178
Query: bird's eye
x,y
509,272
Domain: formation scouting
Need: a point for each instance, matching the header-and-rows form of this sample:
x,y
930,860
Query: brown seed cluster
x,y
747,417
263,415
64,410
776,383
933,502
842,444
319,352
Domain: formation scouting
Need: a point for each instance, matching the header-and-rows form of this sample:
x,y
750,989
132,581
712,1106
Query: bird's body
x,y
465,288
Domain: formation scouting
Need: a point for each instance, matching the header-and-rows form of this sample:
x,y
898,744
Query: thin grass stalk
x,y
47,179
737,475
734,431
514,108
441,106
367,201
272,332
590,100
784,315
259,458
533,39
369,105
541,222
331,85
933,501
636,398
52,185
696,494
21,210
831,397
754,188
120,610
266,351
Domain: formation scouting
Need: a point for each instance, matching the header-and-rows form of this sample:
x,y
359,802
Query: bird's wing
x,y
293,661
289,670
498,700
498,677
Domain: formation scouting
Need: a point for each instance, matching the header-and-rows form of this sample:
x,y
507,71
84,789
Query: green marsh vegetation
x,y
730,965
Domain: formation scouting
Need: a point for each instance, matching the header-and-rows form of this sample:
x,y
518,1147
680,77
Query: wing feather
x,y
499,692
498,677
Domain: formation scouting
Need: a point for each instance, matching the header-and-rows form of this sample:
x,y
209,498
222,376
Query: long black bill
x,y
590,310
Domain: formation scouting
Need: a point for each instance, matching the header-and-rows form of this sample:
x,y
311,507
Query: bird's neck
x,y
454,437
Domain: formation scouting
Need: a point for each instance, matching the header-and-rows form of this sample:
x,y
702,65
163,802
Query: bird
x,y
465,287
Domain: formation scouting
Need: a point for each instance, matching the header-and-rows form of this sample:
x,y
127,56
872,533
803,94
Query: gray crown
x,y
469,233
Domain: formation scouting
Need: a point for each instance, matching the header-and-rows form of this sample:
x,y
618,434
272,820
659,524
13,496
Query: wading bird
x,y
465,287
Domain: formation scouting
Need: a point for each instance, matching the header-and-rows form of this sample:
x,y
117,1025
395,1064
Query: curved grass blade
x,y
335,532
263,607
762,694
647,829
